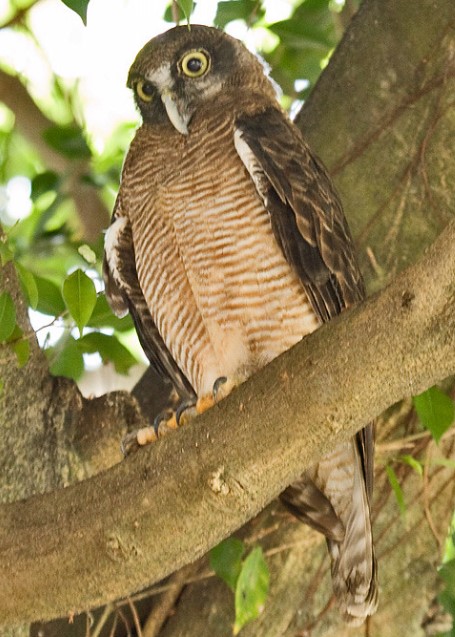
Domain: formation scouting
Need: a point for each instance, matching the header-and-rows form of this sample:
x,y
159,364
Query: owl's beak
x,y
178,120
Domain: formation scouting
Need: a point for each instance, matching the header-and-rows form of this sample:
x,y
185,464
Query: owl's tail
x,y
333,498
354,572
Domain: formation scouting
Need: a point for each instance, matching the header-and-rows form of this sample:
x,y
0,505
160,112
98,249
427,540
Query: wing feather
x,y
307,220
305,211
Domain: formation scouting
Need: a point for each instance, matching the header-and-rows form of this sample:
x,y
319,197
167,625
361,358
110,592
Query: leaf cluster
x,y
247,577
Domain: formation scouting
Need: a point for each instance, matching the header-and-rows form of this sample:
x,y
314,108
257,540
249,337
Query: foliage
x,y
79,6
7,316
436,411
396,488
447,574
248,578
79,295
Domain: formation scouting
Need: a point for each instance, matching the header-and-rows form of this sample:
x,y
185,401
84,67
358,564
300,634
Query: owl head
x,y
179,71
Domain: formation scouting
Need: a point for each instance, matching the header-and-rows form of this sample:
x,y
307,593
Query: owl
x,y
228,244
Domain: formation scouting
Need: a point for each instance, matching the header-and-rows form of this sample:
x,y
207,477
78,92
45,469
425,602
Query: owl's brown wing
x,y
124,294
309,225
305,212
307,220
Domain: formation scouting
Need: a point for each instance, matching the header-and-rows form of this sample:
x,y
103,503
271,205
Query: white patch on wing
x,y
250,162
111,241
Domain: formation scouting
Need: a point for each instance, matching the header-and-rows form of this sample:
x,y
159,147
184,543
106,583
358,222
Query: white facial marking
x,y
161,77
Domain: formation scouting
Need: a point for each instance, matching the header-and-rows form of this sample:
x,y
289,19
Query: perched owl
x,y
228,244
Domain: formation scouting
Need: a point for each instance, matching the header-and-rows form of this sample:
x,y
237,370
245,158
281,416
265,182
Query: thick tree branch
x,y
170,503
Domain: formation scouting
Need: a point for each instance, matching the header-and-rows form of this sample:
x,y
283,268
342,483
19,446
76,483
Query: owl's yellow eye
x,y
195,63
145,90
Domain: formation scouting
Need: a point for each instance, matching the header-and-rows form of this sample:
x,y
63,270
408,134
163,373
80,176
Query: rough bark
x,y
382,118
229,467
51,435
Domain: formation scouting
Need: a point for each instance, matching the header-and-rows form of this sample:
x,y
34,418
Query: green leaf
x,y
183,8
226,560
68,140
187,7
6,254
442,462
104,317
28,284
248,10
109,348
66,359
79,295
435,410
21,346
447,572
7,316
251,590
80,7
22,351
396,487
169,14
413,463
50,300
44,182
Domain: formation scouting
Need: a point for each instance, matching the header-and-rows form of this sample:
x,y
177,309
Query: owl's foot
x,y
165,421
168,421
221,388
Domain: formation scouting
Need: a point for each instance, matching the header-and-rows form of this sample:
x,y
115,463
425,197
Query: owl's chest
x,y
216,282
201,206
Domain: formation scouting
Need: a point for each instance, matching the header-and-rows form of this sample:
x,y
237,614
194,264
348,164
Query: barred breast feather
x,y
219,289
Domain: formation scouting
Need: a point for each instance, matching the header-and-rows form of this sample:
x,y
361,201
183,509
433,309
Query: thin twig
x,y
137,623
175,12
161,610
426,496
114,626
102,620
125,621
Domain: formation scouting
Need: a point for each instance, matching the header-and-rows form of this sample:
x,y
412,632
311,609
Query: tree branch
x,y
144,518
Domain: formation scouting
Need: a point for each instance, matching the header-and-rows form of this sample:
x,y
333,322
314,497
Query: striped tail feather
x,y
332,498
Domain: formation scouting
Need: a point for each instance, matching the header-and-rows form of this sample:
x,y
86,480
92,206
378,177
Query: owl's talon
x,y
163,417
136,439
222,387
129,444
217,385
186,411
